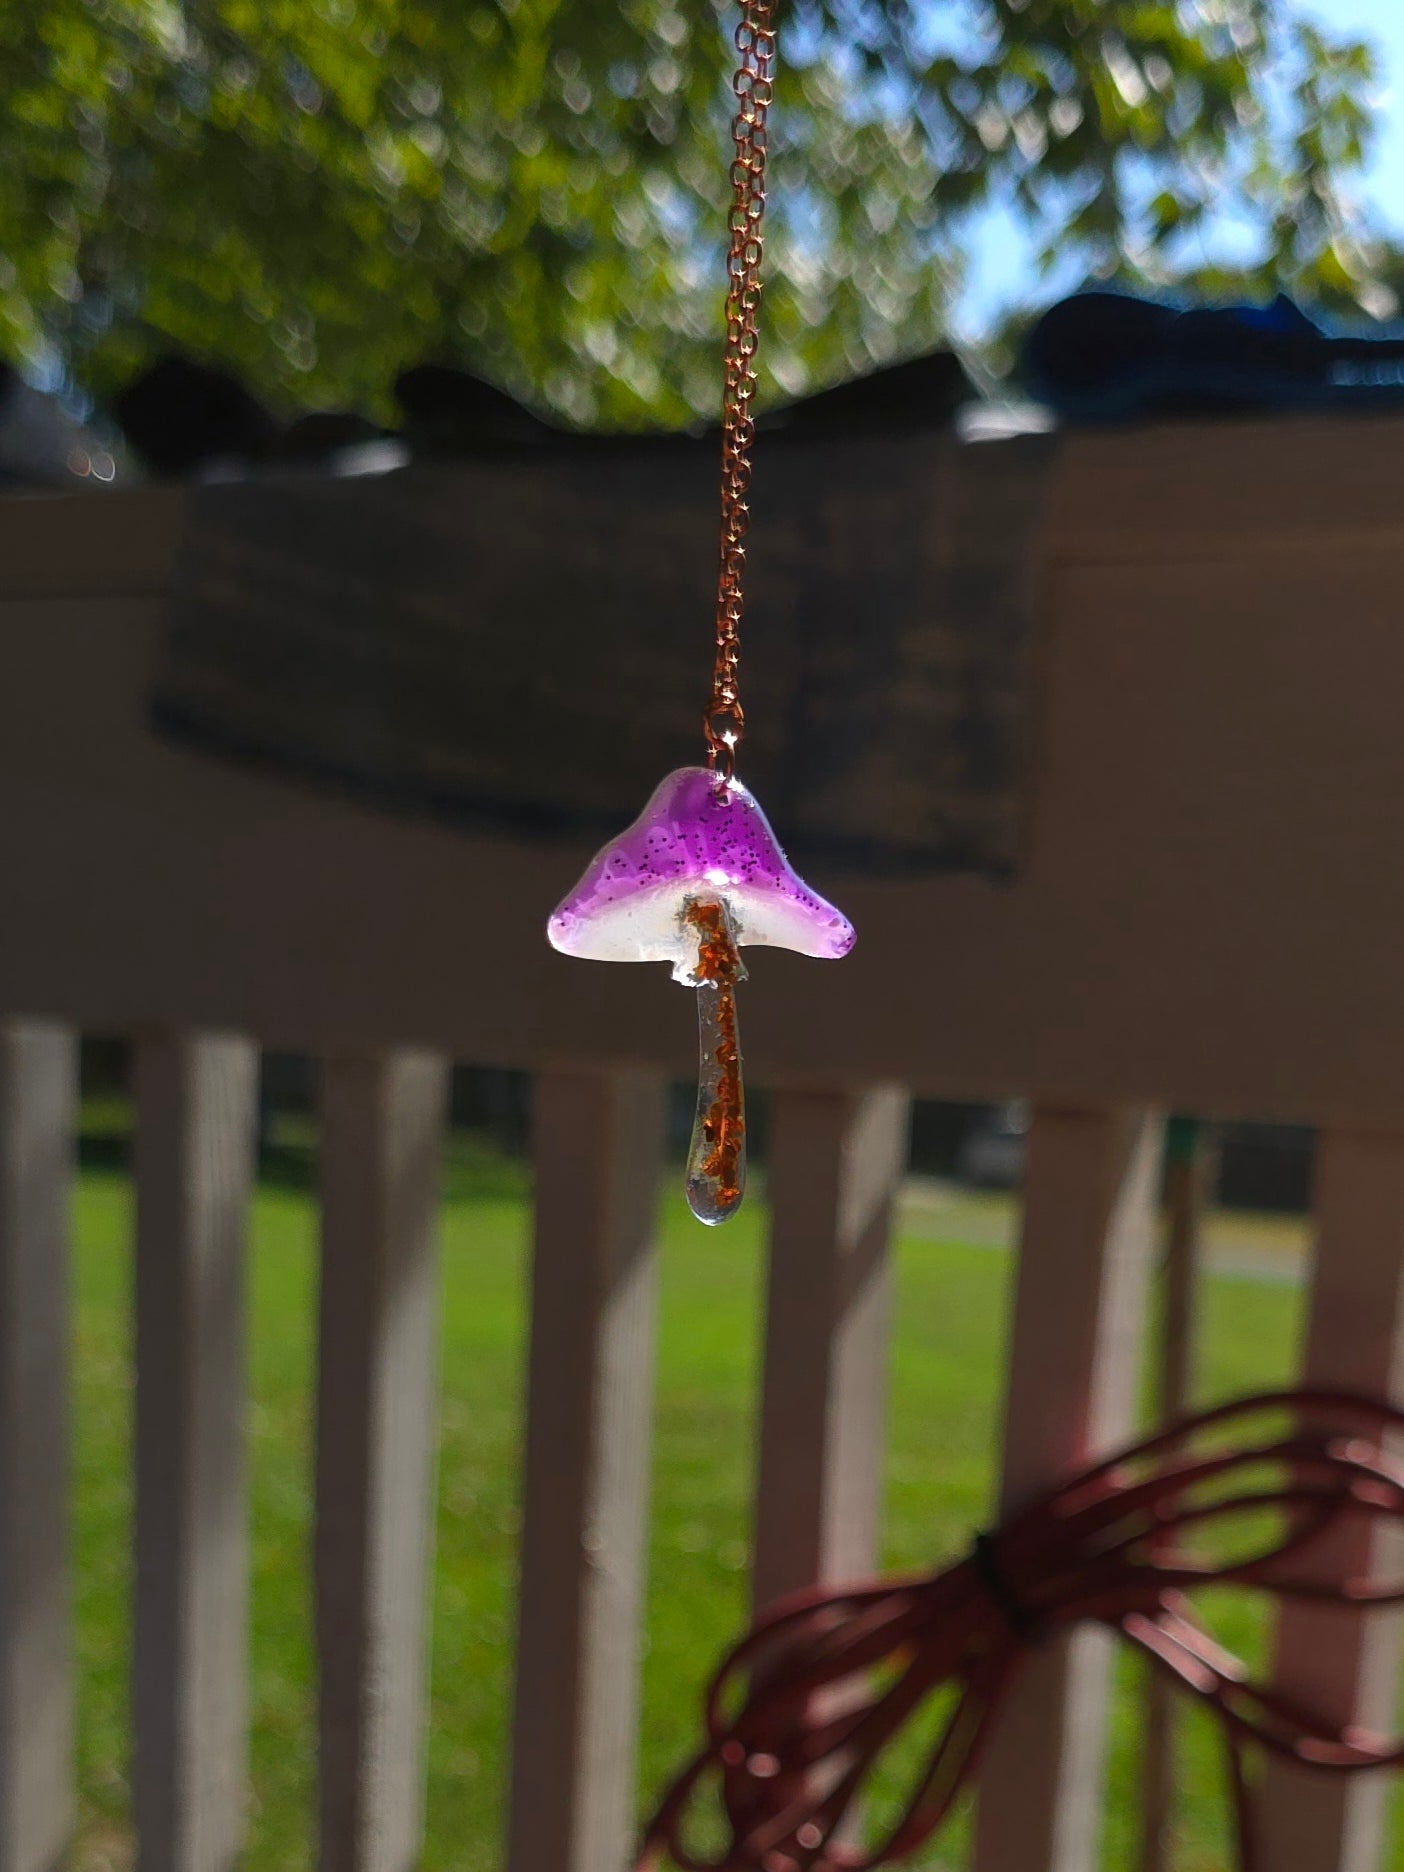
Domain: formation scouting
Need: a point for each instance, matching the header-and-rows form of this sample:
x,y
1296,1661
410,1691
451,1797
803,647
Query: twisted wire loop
x,y
724,719
804,1708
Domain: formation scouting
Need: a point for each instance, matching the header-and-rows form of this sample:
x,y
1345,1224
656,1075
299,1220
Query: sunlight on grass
x,y
952,1297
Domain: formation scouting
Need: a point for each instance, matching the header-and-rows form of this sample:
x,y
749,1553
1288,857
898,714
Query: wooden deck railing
x,y
1208,919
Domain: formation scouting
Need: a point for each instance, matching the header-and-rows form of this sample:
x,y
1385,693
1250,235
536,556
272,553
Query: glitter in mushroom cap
x,y
697,837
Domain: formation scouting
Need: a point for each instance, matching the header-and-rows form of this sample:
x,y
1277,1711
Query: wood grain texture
x,y
195,1098
1090,1187
598,1143
38,1088
836,1161
382,1144
1346,1665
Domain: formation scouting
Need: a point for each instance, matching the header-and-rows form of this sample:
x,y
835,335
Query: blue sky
x,y
1382,21
1000,272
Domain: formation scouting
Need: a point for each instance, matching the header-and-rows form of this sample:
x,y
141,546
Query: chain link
x,y
724,720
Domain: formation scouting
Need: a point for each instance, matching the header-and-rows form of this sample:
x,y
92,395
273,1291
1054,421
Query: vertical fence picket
x,y
37,1084
1085,1254
836,1162
194,1167
1345,1664
1191,1169
598,1144
382,1142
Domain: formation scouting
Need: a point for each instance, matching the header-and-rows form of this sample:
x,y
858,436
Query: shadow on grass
x,y
105,1150
290,1167
476,1167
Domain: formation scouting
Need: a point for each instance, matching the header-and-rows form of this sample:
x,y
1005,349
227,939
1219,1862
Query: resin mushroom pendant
x,y
699,873
698,876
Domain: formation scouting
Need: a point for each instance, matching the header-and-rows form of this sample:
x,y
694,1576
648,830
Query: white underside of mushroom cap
x,y
651,926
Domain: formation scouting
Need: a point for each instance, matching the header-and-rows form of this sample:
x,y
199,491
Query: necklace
x,y
700,874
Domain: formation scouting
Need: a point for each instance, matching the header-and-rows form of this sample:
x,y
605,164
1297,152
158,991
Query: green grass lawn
x,y
951,1315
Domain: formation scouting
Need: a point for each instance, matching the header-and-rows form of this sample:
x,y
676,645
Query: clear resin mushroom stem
x,y
716,1163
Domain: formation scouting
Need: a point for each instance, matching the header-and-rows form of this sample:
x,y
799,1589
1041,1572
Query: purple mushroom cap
x,y
697,839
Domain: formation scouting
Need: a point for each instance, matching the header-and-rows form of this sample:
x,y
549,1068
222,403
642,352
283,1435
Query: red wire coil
x,y
802,1710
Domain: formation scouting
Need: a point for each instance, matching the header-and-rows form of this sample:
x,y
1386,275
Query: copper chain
x,y
725,720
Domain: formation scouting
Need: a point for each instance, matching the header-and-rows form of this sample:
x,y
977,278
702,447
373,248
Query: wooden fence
x,y
1209,919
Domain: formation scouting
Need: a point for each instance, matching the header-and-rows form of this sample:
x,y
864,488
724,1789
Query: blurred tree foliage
x,y
318,192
